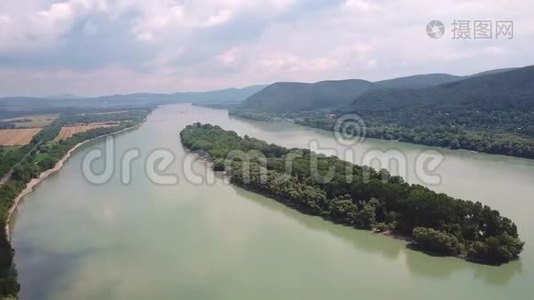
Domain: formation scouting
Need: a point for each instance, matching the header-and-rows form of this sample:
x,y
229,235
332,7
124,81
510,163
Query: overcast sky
x,y
97,47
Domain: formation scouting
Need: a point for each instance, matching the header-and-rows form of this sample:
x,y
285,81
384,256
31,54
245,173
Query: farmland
x,y
17,137
33,121
68,131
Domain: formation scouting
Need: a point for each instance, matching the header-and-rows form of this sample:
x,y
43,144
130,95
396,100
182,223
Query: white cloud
x,y
207,44
361,5
160,17
43,28
227,58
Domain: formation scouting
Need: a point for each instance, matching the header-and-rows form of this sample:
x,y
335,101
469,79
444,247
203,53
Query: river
x,y
78,240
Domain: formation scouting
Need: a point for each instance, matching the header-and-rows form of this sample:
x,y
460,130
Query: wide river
x,y
79,240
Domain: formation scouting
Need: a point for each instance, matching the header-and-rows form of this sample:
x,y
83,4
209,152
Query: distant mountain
x,y
294,96
14,106
226,96
492,72
289,97
231,95
417,81
491,112
507,90
10,106
63,96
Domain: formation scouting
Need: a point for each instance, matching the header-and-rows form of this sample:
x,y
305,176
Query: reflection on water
x,y
75,240
379,244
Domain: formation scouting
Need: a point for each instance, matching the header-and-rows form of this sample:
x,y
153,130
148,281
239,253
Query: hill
x,y
493,72
417,81
226,96
492,113
13,106
504,91
294,96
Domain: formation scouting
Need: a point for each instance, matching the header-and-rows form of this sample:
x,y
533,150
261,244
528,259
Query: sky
x,y
102,47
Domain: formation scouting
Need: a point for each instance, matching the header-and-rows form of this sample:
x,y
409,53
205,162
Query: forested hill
x,y
290,97
417,81
505,91
294,96
491,112
359,196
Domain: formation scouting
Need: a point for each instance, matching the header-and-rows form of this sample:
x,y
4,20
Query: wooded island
x,y
374,200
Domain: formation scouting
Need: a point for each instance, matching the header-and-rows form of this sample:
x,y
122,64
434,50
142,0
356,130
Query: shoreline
x,y
34,182
383,139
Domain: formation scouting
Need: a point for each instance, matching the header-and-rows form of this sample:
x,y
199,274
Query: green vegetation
x,y
429,131
417,81
360,197
135,116
293,96
290,97
491,112
437,241
9,156
40,155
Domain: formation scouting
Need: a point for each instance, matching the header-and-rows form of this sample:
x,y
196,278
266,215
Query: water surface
x,y
76,240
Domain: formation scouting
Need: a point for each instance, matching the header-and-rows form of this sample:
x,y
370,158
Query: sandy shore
x,y
36,181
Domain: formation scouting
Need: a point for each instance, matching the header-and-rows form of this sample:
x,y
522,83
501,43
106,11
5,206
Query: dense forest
x,y
367,199
491,112
284,97
42,154
433,129
430,129
295,96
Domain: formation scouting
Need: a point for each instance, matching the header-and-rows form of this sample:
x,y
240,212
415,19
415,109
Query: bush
x,y
436,241
496,250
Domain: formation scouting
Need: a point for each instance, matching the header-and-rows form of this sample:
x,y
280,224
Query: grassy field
x,y
7,148
17,137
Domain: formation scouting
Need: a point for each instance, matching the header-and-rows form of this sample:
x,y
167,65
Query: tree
x,y
343,210
496,250
436,241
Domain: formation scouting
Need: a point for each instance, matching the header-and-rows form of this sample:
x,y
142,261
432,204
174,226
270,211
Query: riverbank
x,y
44,175
476,140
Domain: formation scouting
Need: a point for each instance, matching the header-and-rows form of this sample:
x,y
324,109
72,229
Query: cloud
x,y
98,47
361,5
43,27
